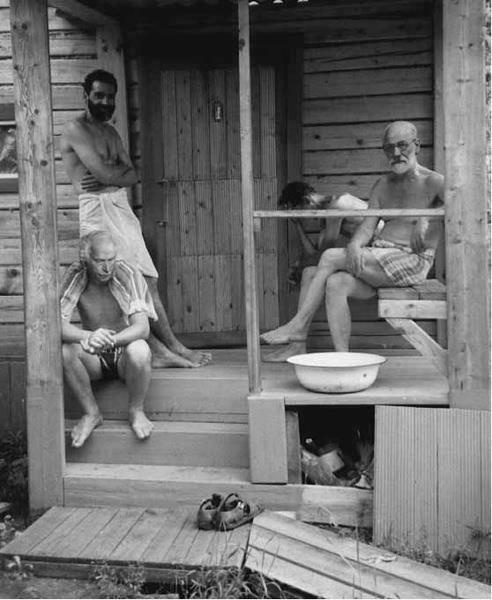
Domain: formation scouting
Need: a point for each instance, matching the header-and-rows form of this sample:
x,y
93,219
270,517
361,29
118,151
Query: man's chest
x,y
415,195
99,303
105,144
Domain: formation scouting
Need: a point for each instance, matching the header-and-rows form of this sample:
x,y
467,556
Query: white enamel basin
x,y
336,372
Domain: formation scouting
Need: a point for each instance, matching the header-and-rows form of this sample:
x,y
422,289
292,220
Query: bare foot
x,y
283,335
84,428
197,356
169,360
140,424
282,354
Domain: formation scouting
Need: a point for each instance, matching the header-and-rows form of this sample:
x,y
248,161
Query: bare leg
x,y
135,369
339,287
79,368
169,344
293,348
297,328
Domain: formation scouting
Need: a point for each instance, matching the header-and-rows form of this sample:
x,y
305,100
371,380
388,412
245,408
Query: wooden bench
x,y
400,306
412,380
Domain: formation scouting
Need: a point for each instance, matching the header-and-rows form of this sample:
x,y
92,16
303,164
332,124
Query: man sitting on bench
x,y
401,254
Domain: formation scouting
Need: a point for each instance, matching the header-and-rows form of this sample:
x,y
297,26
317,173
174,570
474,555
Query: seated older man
x,y
400,254
115,305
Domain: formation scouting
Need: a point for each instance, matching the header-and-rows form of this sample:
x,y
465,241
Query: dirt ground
x,y
47,587
50,587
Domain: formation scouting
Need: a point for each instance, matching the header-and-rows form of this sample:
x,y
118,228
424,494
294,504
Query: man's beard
x,y
100,112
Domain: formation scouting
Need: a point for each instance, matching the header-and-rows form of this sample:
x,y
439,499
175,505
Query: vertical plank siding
x,y
432,479
202,193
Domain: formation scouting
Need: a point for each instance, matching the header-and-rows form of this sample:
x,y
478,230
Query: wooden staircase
x,y
200,445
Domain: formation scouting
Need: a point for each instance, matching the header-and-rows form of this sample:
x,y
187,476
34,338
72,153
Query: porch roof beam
x,y
76,10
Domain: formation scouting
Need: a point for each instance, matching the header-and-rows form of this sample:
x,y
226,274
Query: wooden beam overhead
x,y
72,9
37,207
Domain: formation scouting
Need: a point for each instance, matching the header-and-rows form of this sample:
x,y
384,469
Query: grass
x,y
461,560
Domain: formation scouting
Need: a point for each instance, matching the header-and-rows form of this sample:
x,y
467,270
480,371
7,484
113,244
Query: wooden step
x,y
95,484
171,443
179,395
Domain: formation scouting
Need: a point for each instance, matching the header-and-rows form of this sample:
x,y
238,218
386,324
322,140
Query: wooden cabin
x,y
221,104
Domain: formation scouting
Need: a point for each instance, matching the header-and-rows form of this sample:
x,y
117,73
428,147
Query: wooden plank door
x,y
200,204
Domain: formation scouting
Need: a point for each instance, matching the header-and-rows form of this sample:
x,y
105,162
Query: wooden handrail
x,y
370,212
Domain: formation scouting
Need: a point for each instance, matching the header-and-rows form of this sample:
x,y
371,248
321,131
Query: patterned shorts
x,y
401,264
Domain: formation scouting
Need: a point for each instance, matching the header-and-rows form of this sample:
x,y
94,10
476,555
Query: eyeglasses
x,y
402,146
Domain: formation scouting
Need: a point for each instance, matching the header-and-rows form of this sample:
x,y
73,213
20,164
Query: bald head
x,y
401,129
92,241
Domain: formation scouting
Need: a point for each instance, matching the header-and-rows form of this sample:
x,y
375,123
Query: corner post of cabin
x,y
467,269
37,204
250,283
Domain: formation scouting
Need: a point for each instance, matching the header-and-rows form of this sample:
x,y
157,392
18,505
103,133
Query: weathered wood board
x,y
160,539
325,565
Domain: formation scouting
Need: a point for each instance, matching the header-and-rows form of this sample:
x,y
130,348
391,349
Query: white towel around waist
x,y
112,212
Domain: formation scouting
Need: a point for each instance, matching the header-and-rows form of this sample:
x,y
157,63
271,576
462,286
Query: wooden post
x,y
467,269
110,57
37,203
250,284
440,262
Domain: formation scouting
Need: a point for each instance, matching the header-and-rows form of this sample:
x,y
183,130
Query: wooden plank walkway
x,y
166,542
167,545
326,565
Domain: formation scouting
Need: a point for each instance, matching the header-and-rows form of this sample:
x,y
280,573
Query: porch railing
x,y
252,319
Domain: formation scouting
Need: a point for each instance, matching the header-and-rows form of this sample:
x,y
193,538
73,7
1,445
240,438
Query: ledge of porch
x,y
406,380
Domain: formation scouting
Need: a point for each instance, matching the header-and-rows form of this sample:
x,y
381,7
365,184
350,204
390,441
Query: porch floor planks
x,y
111,534
141,535
85,531
411,380
166,539
401,380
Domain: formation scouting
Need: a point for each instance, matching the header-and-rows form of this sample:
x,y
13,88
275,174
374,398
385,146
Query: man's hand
x,y
355,259
417,239
99,340
90,184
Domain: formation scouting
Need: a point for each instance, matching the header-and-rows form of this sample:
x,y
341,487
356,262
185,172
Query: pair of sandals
x,y
224,513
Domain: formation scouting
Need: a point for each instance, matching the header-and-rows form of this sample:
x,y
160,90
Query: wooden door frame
x,y
285,55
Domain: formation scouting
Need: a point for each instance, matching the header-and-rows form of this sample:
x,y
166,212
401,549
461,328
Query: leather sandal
x,y
234,512
207,510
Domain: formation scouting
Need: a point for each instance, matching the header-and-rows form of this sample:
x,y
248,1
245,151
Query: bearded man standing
x,y
100,171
